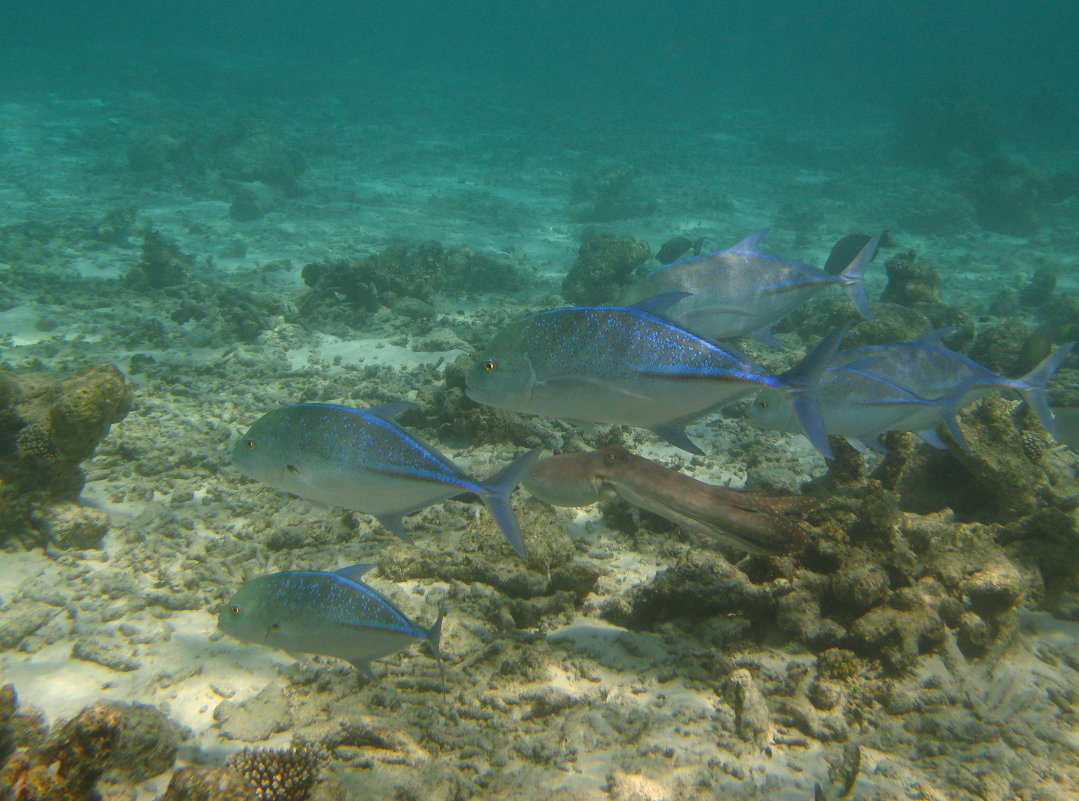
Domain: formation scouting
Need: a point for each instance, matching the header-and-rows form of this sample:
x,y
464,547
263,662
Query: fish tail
x,y
496,491
1032,386
852,276
800,385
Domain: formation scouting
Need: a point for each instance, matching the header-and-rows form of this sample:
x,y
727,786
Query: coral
x,y
147,743
47,428
280,775
606,194
874,583
605,263
910,282
67,764
254,774
162,264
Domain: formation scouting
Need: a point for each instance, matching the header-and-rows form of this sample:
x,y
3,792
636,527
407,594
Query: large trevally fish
x,y
360,459
860,406
927,368
626,365
744,290
333,614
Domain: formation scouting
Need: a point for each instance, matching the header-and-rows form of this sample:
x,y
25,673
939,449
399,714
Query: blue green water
x,y
244,205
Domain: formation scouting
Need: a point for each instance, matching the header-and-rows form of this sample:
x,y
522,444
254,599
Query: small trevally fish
x,y
626,365
860,406
360,459
744,290
333,614
927,368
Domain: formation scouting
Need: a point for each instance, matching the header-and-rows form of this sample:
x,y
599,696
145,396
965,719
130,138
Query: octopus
x,y
758,522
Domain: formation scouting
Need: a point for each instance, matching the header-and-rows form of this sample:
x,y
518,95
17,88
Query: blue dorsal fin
x,y
354,572
751,241
388,411
657,303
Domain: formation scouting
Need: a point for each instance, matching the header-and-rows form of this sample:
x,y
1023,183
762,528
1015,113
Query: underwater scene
x,y
555,401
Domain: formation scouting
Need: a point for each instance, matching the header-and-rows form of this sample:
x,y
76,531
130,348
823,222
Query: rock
x,y
147,743
256,718
753,721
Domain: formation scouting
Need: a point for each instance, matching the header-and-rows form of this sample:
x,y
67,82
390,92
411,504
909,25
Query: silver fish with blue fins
x,y
629,366
360,459
328,613
745,290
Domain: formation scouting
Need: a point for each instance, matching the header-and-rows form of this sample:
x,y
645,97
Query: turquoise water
x,y
241,206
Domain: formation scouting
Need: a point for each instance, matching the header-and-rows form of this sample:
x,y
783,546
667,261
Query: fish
x,y
744,290
360,459
846,249
860,406
626,365
929,369
754,522
677,246
329,613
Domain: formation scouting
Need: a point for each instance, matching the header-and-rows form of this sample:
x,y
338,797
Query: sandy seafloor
x,y
570,707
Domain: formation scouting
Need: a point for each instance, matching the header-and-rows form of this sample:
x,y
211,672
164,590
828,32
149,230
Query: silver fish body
x,y
626,365
333,614
361,460
860,406
744,290
931,370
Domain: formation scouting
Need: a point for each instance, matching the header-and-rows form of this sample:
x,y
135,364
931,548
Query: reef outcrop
x,y
48,427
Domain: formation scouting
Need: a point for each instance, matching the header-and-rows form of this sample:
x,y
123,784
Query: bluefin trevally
x,y
744,290
360,459
860,406
626,365
333,614
929,369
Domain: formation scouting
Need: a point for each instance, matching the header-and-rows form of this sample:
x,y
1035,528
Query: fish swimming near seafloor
x,y
860,406
929,369
626,365
333,614
744,290
755,522
360,459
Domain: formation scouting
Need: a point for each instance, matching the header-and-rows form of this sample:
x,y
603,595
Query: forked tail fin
x,y
800,385
854,273
496,491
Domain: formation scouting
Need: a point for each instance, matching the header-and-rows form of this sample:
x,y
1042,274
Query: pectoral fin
x,y
395,524
364,667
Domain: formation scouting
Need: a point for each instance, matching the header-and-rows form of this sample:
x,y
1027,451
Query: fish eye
x,y
275,626
250,444
490,365
610,458
292,469
762,404
235,610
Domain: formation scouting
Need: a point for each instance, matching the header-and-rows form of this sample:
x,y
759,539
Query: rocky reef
x,y
604,266
48,427
404,278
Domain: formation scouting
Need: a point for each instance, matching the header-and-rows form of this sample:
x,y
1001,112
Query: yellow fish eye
x,y
250,444
762,404
235,610
490,365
